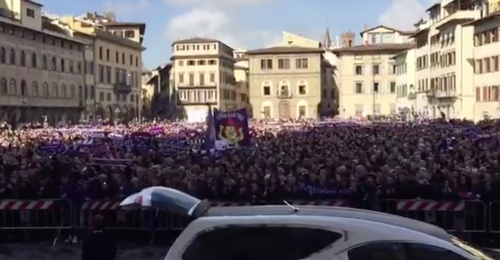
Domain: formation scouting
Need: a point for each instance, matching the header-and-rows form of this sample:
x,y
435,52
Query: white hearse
x,y
286,232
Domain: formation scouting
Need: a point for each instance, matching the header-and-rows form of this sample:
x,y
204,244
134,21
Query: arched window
x,y
302,87
63,65
44,62
267,87
63,91
45,90
2,55
12,58
55,90
23,58
34,88
33,60
284,89
13,87
24,88
3,87
53,66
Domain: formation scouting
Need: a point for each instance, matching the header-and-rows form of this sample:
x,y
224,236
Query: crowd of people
x,y
306,159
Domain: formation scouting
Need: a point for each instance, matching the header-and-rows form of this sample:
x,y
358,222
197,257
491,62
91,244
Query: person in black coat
x,y
98,246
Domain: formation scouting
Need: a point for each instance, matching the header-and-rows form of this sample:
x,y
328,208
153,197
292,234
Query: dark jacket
x,y
98,247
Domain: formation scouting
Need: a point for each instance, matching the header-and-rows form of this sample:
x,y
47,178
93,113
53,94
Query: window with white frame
x,y
266,88
302,87
284,90
183,96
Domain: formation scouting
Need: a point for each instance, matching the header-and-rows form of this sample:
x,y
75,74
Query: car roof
x,y
353,213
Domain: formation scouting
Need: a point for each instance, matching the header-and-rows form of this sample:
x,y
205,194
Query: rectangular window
x,y
359,70
191,80
376,69
267,91
30,12
376,87
266,64
202,79
301,63
358,88
302,90
393,87
130,34
283,64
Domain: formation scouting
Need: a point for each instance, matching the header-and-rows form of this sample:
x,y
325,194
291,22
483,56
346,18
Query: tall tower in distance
x,y
347,39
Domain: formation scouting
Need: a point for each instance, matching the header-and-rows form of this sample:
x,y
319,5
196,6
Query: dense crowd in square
x,y
295,160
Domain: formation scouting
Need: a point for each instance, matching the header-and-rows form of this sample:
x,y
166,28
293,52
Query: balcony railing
x,y
446,93
430,93
284,95
122,88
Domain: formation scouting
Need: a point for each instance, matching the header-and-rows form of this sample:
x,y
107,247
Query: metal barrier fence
x,y
454,216
36,214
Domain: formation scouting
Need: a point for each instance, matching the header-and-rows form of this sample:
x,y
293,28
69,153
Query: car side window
x,y
259,242
378,251
422,251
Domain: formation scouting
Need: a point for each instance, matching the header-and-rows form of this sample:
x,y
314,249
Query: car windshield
x,y
470,249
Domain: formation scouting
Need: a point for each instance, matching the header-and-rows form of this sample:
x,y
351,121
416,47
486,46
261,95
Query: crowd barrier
x,y
454,216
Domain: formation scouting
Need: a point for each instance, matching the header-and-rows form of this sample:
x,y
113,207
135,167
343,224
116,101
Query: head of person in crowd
x,y
97,222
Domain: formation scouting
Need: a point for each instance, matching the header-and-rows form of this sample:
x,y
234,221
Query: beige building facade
x,y
41,66
444,46
457,60
367,72
203,76
241,78
486,55
113,66
285,82
157,95
406,99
